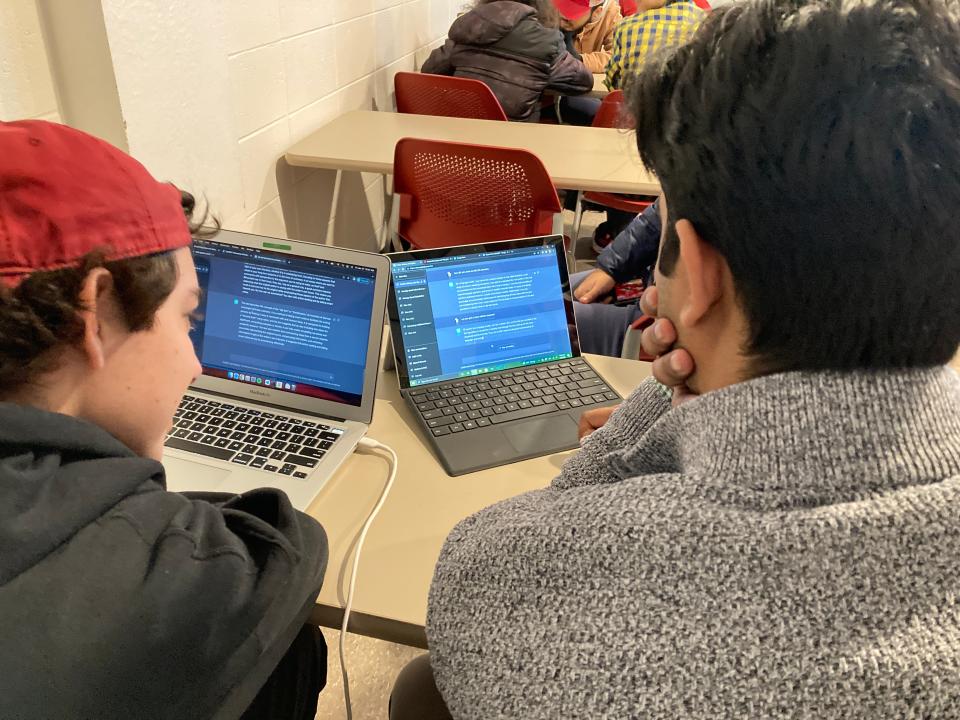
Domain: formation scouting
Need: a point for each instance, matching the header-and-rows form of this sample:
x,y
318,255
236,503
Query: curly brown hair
x,y
40,314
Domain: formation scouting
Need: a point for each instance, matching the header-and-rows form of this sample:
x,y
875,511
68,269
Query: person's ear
x,y
102,324
703,267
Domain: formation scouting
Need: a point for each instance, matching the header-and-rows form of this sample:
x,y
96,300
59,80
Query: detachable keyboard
x,y
263,440
464,405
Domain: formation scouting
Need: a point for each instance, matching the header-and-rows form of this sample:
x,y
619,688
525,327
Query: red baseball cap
x,y
574,10
64,194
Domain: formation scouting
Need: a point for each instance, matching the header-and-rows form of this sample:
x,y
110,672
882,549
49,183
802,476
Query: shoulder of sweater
x,y
671,514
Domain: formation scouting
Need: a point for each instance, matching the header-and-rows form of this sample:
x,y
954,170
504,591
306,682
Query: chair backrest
x,y
611,113
458,194
425,94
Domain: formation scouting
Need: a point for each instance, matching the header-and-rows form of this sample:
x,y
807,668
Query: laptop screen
x,y
284,322
471,310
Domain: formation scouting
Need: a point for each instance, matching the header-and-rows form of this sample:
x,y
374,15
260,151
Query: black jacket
x,y
503,44
121,600
633,253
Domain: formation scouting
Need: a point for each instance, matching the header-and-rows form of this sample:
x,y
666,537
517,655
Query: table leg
x,y
388,225
332,224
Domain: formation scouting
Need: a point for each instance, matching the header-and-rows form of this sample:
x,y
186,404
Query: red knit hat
x,y
574,10
64,194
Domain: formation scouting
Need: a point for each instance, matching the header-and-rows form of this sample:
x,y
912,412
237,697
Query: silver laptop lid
x,y
290,324
469,310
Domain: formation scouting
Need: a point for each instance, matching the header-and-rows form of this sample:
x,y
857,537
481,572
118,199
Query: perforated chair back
x,y
425,94
460,194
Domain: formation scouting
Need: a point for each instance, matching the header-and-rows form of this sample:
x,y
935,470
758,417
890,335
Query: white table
x,y
576,158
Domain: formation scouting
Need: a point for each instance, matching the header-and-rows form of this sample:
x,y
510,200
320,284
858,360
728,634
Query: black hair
x,y
816,146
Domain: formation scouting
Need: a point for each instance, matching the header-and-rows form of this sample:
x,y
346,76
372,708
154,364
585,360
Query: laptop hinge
x,y
268,404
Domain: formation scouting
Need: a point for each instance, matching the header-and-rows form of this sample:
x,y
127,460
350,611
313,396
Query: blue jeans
x,y
601,327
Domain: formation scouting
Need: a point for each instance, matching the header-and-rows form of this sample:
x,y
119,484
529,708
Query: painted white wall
x,y
213,92
26,90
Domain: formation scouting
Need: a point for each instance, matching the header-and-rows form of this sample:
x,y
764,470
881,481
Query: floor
x,y
372,665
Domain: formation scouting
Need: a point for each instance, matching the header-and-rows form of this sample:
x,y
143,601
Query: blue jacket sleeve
x,y
634,250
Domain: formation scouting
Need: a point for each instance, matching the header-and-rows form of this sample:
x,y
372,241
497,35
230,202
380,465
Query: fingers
x,y
593,286
658,337
674,368
594,419
584,293
649,301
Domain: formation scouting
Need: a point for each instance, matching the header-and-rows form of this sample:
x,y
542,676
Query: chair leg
x,y
575,233
384,239
392,243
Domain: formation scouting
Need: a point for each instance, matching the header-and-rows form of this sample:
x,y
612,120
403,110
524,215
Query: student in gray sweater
x,y
773,532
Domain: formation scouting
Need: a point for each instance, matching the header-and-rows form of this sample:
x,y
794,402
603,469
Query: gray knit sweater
x,y
787,547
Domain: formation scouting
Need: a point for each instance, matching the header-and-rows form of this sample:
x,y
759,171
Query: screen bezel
x,y
259,394
553,241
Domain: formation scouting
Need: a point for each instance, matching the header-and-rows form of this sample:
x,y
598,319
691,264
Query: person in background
x,y
119,599
590,24
768,527
516,48
601,324
587,27
657,25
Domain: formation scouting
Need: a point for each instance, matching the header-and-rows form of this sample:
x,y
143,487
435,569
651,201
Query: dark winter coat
x,y
120,600
504,45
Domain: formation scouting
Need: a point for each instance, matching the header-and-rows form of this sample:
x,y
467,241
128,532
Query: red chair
x,y
459,194
425,94
610,115
631,340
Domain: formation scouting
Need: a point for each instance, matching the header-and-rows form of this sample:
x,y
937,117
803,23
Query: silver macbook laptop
x,y
289,338
487,352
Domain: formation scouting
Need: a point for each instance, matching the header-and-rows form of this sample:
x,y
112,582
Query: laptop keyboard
x,y
263,440
464,405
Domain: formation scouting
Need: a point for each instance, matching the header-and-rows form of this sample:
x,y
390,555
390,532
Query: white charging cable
x,y
366,445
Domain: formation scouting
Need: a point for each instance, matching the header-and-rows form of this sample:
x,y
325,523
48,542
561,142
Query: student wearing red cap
x,y
587,27
119,599
591,23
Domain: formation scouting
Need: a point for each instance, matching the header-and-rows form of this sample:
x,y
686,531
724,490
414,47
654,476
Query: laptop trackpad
x,y
185,476
559,431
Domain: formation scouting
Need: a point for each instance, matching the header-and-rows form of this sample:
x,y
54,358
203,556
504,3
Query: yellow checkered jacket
x,y
640,36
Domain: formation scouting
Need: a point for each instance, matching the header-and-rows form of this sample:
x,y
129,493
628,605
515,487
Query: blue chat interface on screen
x,y
471,314
284,322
